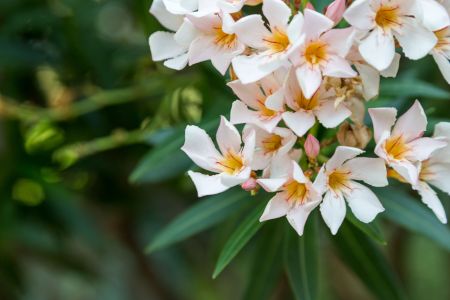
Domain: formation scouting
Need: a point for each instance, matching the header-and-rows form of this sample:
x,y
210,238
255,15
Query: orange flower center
x,y
278,41
231,163
338,180
316,52
305,103
387,17
443,36
396,147
272,143
223,39
295,192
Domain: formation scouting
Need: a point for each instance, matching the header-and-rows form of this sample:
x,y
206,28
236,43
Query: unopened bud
x,y
354,135
335,10
312,147
250,185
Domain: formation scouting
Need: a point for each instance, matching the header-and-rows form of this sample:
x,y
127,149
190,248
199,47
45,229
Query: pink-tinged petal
x,y
422,149
248,68
335,10
392,70
294,30
441,174
370,170
315,24
277,13
408,170
163,46
297,173
331,116
412,124
320,183
299,122
208,185
443,64
205,23
227,137
360,15
240,114
221,58
333,211
297,216
370,78
249,147
430,198
275,101
180,7
309,79
251,31
435,16
227,23
272,185
277,207
416,40
177,63
442,129
363,203
378,49
338,67
201,49
340,40
234,180
186,34
247,93
340,156
200,148
230,6
281,166
167,19
383,119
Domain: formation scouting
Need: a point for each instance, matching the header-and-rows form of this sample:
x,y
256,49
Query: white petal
x,y
277,207
297,216
163,46
299,122
201,49
248,68
340,40
228,137
249,147
370,78
338,67
441,176
221,58
177,63
181,6
167,19
416,40
360,15
294,29
240,114
333,211
331,116
186,34
435,16
251,31
200,148
297,173
208,185
443,64
248,93
378,49
430,198
341,155
309,79
411,124
392,70
370,170
233,180
315,24
383,119
320,183
277,13
272,185
442,129
363,203
407,170
422,148
275,101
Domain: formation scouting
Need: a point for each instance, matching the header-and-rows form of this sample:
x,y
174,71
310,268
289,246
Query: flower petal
x,y
416,40
166,18
407,170
360,15
430,198
363,203
163,46
370,78
383,119
359,166
227,137
277,13
340,156
338,67
315,24
299,122
411,124
422,149
277,207
208,185
331,116
251,31
333,211
378,49
309,79
297,216
443,64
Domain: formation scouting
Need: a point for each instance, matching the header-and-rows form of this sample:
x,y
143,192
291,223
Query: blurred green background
x,y
90,130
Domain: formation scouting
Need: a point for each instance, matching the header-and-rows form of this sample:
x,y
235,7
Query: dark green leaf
x,y
301,260
372,229
407,211
241,236
364,258
412,88
199,217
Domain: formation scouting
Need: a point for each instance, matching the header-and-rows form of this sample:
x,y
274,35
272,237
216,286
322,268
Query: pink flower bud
x,y
335,10
250,185
312,146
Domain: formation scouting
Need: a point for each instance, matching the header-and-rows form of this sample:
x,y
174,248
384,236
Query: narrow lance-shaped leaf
x,y
301,260
372,229
199,217
241,236
411,88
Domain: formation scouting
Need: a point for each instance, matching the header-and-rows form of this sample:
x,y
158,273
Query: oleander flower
x,y
296,196
400,142
232,163
337,180
322,53
383,22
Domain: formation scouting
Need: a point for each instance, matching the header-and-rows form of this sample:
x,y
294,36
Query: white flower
x,y
269,145
403,146
441,52
216,41
260,103
337,180
296,196
382,20
272,45
323,52
321,106
436,171
232,163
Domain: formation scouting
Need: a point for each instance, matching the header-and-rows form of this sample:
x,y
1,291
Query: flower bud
x,y
312,147
335,10
354,135
250,185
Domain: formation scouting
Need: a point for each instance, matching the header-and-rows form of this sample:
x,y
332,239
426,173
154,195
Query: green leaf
x,y
199,217
266,268
412,88
372,229
241,236
365,259
301,260
407,211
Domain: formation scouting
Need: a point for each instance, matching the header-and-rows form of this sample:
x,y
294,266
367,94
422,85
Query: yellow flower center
x,y
295,192
224,39
278,41
305,103
264,111
425,173
338,180
272,143
396,147
387,17
443,36
316,52
231,163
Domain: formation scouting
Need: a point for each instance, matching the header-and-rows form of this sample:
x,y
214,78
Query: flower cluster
x,y
296,72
